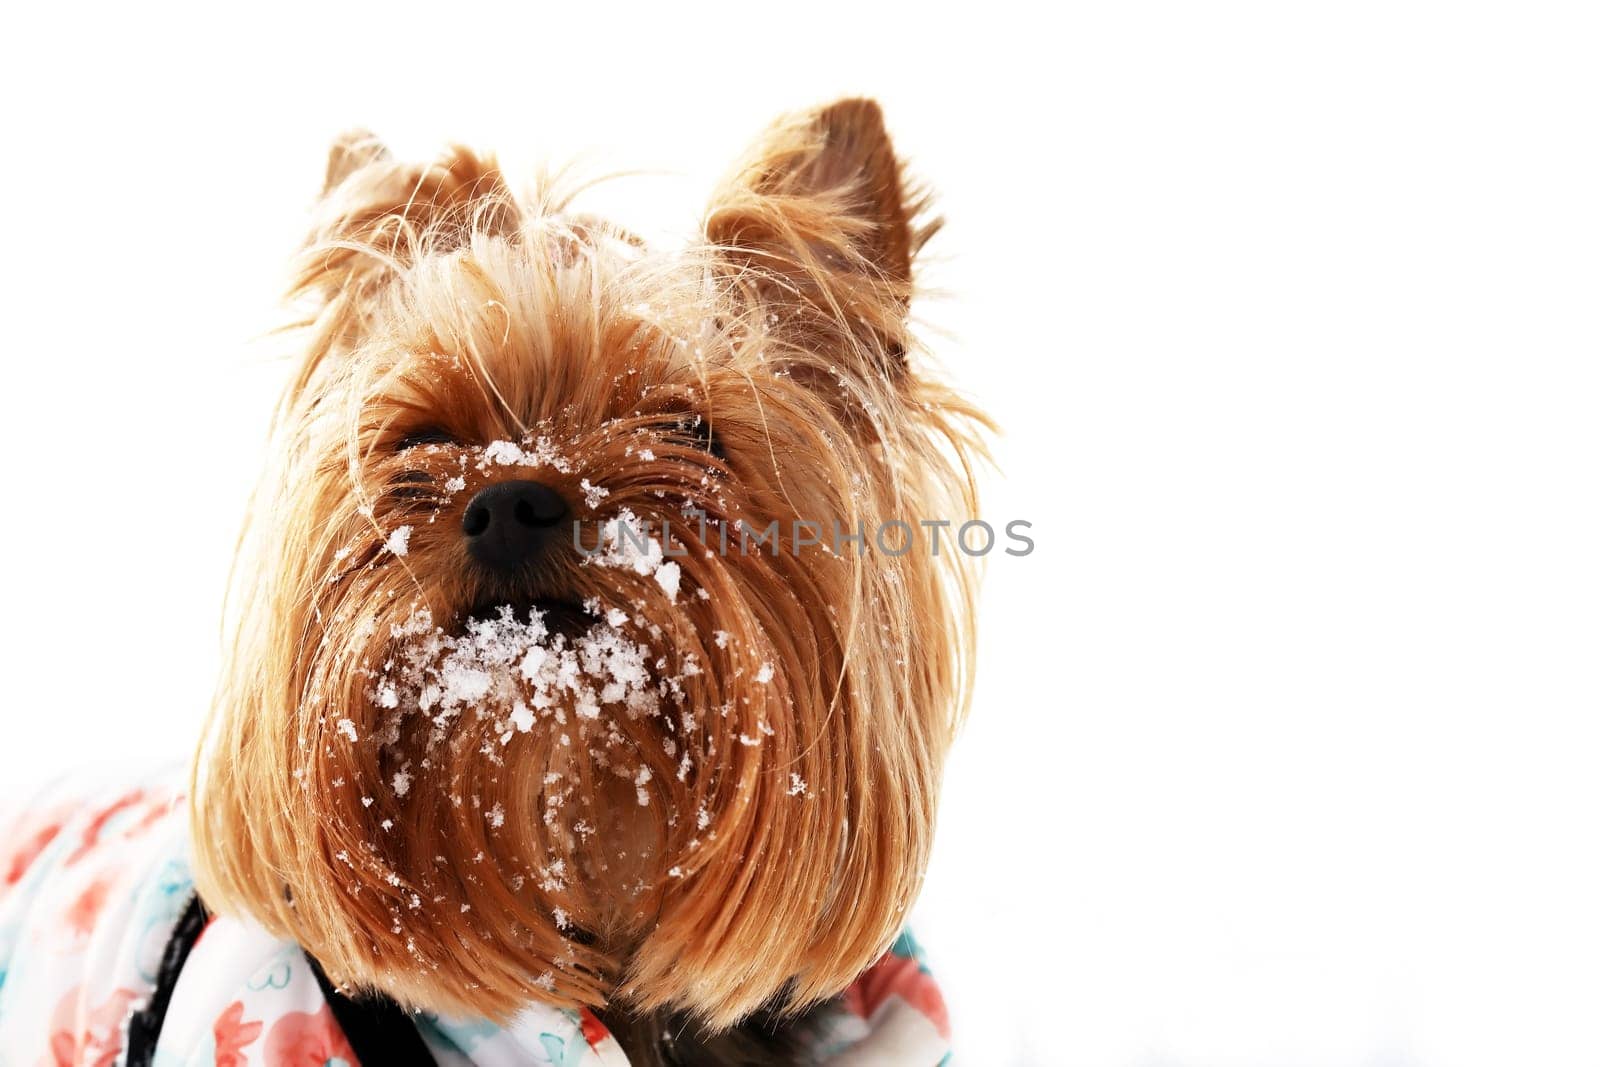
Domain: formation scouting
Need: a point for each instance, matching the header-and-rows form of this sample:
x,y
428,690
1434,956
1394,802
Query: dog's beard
x,y
560,716
512,670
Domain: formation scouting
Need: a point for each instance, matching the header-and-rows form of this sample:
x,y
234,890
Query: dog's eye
x,y
413,485
427,435
696,429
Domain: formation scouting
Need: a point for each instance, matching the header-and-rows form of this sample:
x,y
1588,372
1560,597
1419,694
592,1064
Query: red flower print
x,y
157,807
20,855
232,1034
898,976
594,1031
99,1043
82,913
97,825
301,1039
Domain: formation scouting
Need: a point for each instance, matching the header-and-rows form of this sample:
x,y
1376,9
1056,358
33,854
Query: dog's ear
x,y
820,228
376,215
353,150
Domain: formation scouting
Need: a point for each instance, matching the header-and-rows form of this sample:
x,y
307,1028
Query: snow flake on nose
x,y
542,453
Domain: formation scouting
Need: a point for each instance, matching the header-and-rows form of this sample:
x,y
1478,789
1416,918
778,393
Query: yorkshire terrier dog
x,y
573,668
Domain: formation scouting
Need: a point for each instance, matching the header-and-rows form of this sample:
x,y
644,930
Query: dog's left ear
x,y
821,231
353,150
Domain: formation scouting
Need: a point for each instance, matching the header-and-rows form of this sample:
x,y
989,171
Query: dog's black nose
x,y
509,523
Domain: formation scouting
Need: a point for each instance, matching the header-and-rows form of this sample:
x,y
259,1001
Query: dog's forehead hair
x,y
547,325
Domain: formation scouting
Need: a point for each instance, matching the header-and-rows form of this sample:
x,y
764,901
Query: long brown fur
x,y
742,875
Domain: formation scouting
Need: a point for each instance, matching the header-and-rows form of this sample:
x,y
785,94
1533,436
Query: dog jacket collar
x,y
107,958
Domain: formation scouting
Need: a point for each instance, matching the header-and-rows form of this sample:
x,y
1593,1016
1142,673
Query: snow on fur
x,y
512,670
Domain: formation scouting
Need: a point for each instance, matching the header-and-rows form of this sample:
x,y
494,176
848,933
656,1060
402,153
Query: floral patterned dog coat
x,y
96,890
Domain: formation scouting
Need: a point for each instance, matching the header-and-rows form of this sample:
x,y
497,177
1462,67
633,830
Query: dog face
x,y
517,707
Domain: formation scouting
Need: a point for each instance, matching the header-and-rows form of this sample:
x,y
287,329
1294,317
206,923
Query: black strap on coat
x,y
144,1025
380,1032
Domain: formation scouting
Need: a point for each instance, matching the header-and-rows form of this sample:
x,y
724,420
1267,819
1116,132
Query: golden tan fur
x,y
440,301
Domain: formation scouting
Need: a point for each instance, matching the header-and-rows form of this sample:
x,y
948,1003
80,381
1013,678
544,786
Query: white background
x,y
1283,751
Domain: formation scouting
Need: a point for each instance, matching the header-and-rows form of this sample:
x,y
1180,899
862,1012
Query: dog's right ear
x,y
376,216
353,150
